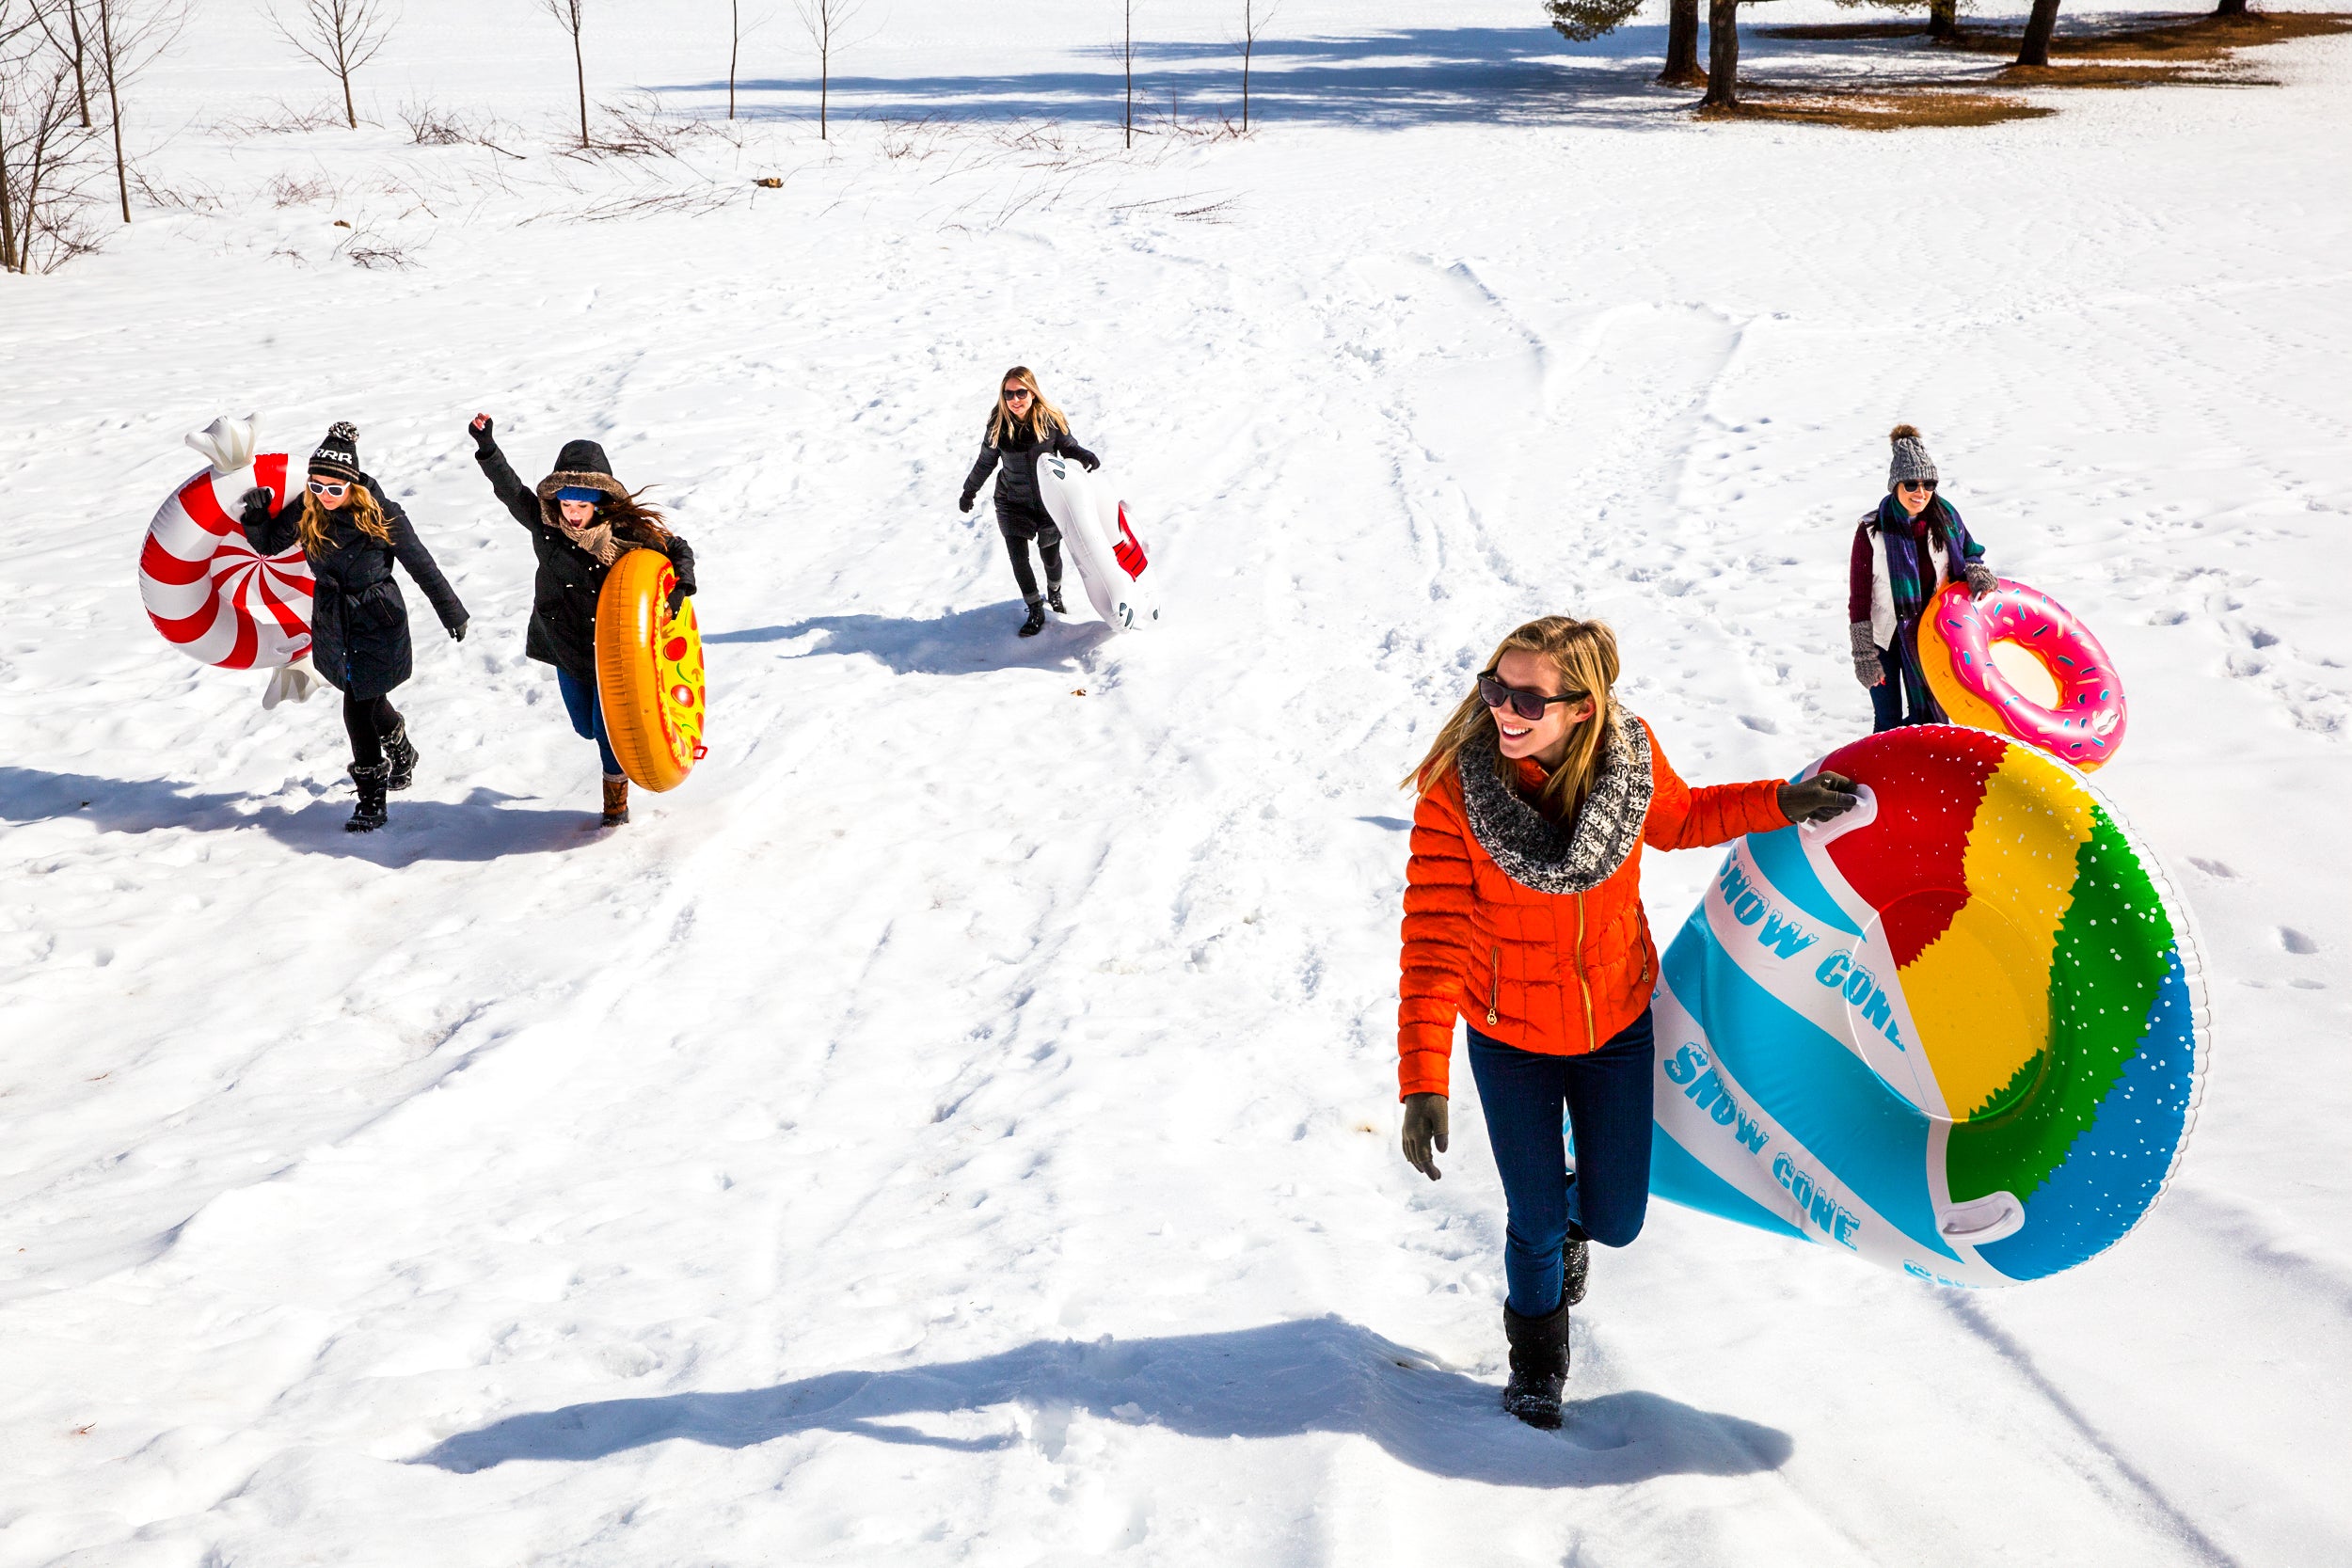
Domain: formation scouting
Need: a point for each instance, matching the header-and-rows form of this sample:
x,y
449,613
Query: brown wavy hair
x,y
1585,653
367,514
1044,417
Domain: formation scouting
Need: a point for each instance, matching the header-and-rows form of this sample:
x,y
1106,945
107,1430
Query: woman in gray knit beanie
x,y
1905,552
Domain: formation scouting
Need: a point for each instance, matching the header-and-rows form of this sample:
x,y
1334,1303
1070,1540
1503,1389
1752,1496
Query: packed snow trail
x,y
958,1123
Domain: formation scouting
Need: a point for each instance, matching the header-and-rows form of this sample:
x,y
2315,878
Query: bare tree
x,y
571,15
1127,56
338,36
735,47
827,21
69,45
42,147
131,35
1255,16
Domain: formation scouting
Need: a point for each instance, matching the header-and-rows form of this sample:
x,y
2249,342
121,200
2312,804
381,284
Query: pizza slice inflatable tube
x,y
649,672
1957,637
1960,1030
208,592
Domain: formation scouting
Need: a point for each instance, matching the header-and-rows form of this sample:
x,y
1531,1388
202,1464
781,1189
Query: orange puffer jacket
x,y
1558,973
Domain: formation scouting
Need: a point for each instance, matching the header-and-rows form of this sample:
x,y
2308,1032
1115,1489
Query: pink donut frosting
x,y
2087,724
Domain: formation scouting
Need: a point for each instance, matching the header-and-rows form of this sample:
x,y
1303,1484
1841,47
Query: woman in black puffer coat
x,y
581,520
1021,425
351,535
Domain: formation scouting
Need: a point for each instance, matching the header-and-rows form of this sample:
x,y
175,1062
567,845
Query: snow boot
x,y
1575,1261
1036,623
616,800
400,755
1539,1365
1053,599
368,814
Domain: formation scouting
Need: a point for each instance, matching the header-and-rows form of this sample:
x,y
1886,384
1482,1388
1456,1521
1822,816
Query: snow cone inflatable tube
x,y
649,672
1102,543
208,592
1960,1030
1964,643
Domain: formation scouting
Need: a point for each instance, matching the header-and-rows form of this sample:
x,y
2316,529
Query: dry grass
x,y
2203,40
1878,108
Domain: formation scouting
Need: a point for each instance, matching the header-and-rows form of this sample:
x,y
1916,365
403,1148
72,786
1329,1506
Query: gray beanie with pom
x,y
1911,457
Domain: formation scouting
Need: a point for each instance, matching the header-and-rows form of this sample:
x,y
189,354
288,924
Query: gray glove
x,y
1426,1124
1981,579
1866,668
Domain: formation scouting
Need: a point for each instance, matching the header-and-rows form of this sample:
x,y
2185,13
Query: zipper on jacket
x,y
1494,987
1584,984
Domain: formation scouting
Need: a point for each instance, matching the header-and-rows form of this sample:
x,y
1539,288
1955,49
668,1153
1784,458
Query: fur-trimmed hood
x,y
1562,857
581,463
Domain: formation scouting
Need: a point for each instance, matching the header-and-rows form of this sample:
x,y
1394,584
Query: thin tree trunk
x,y
1127,56
1944,19
8,209
2038,26
824,81
343,68
734,43
579,73
114,102
1722,55
1682,46
81,90
1244,91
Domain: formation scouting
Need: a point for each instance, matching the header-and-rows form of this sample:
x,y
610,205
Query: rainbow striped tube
x,y
1960,1030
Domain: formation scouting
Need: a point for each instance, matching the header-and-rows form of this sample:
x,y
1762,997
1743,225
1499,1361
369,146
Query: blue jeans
x,y
1902,698
580,701
1607,1095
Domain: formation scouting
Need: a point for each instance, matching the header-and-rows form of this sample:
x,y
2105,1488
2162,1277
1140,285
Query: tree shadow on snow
x,y
1283,1380
1412,76
960,642
482,826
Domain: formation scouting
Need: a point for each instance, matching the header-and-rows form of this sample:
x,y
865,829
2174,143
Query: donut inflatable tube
x,y
649,672
1956,639
1101,542
207,591
1960,1030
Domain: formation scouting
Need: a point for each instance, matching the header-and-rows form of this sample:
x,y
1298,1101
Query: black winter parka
x,y
359,621
1016,484
564,593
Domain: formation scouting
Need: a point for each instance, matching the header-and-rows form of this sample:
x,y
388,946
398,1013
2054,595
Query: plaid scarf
x,y
1909,568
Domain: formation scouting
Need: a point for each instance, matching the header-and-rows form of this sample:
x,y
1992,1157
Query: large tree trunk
x,y
1682,46
1722,55
2038,26
2229,7
1944,19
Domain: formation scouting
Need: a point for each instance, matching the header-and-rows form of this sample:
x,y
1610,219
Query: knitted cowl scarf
x,y
1562,857
596,539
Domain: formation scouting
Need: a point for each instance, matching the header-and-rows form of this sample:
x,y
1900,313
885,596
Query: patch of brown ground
x,y
1837,30
2172,39
1893,109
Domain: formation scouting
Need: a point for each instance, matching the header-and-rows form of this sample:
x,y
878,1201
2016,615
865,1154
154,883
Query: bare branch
x,y
339,37
827,22
571,15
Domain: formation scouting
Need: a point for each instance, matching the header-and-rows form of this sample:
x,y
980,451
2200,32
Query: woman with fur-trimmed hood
x,y
581,520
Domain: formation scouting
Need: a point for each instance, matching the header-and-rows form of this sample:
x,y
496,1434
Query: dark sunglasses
x,y
319,488
1529,706
1014,394
1927,485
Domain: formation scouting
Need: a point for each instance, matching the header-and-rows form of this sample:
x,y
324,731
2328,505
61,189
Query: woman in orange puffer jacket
x,y
1524,918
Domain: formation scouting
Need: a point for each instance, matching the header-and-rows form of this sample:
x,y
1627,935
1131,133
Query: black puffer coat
x,y
359,621
563,595
1016,482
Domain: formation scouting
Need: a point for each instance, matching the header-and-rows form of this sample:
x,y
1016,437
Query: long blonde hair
x,y
366,514
1044,417
1585,654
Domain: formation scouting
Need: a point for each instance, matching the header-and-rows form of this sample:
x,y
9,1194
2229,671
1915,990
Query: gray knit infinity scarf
x,y
1562,857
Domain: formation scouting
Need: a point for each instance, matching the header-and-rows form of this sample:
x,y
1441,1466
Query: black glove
x,y
483,441
258,503
457,632
966,504
1819,798
1088,462
680,593
1427,1122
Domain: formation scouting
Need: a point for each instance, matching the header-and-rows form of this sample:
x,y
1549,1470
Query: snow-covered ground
x,y
958,1124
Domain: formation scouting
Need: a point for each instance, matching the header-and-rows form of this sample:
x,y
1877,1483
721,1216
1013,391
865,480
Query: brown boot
x,y
615,801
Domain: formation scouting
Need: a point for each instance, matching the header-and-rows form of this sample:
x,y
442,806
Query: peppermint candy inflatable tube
x,y
208,592
1981,655
1101,542
1960,1030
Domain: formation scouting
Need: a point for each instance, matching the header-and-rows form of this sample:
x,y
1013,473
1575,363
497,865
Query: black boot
x,y
400,758
1539,1365
368,814
1575,1263
1036,623
1053,598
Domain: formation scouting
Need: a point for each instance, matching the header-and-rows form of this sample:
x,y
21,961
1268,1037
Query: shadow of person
x,y
1282,1380
482,826
960,642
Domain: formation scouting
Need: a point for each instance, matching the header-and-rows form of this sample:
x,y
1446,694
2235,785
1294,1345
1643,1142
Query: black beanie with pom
x,y
339,455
